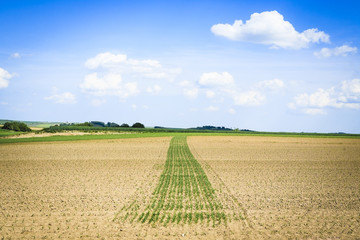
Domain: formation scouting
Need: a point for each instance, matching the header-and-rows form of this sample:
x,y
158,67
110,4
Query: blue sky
x,y
261,65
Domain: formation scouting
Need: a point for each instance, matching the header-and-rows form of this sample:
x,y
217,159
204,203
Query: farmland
x,y
303,188
183,194
166,187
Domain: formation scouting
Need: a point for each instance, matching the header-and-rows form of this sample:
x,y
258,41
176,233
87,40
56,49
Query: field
x,y
7,133
195,187
303,188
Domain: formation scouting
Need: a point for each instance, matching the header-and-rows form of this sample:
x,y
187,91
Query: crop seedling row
x,y
183,195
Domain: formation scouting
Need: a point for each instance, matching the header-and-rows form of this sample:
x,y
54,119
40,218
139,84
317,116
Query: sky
x,y
289,66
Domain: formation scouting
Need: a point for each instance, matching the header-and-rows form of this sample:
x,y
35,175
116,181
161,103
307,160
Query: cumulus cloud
x,y
186,84
120,63
191,92
274,84
156,89
270,28
62,98
210,94
5,76
111,74
110,84
189,89
351,88
343,50
250,98
105,60
216,79
218,86
346,96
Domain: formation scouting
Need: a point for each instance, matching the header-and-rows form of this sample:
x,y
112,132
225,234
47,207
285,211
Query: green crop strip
x,y
183,195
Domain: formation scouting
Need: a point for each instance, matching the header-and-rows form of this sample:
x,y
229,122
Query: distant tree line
x,y
16,126
102,124
213,128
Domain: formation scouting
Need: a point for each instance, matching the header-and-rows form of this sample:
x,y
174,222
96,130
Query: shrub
x,y
16,126
138,125
85,124
112,124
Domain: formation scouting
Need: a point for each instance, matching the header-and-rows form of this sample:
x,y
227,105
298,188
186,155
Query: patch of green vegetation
x,y
16,126
42,125
5,133
184,193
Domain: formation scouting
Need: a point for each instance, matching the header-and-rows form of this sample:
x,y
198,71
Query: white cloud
x,y
109,84
314,111
62,98
250,98
212,109
156,89
351,87
344,50
347,96
15,55
222,85
105,60
210,94
191,92
4,103
320,98
274,85
120,63
5,76
216,79
269,28
186,84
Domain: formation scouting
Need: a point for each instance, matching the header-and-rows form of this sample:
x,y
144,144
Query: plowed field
x,y
305,188
174,188
74,189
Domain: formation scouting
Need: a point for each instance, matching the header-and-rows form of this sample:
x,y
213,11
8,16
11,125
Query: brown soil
x,y
287,188
64,133
304,188
73,190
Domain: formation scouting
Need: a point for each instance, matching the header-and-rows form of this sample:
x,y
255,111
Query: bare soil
x,y
286,188
64,133
73,190
290,188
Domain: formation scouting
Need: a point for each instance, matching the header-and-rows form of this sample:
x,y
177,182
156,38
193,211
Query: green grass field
x,y
5,133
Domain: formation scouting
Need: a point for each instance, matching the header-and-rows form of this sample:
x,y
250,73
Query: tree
x,y
125,125
97,124
16,126
138,125
112,124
